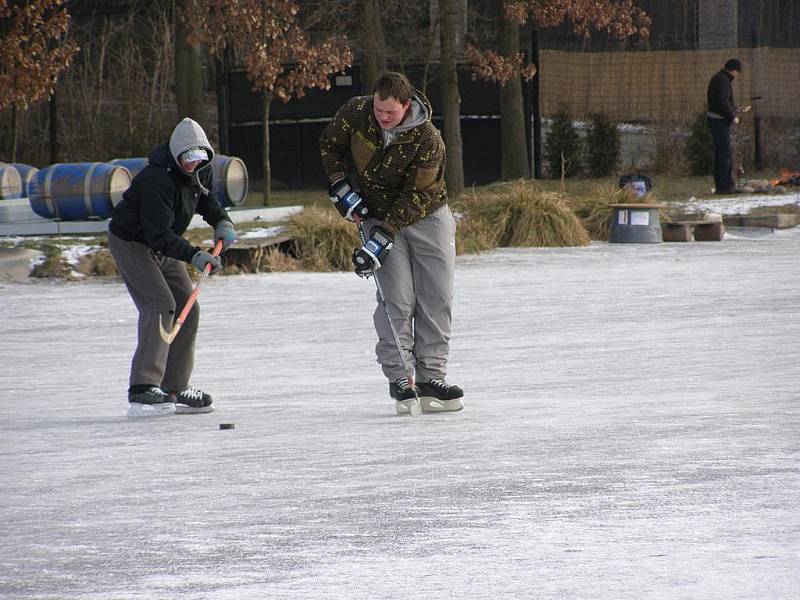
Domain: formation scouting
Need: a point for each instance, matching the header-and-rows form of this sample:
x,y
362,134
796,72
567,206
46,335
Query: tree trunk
x,y
188,75
53,118
14,129
372,41
451,100
512,113
267,193
535,107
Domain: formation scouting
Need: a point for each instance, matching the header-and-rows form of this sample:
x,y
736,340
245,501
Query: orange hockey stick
x,y
169,336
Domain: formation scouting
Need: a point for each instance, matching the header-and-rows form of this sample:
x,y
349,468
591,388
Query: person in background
x,y
399,159
145,238
722,115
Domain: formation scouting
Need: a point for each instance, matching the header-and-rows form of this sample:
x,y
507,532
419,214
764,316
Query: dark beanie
x,y
733,65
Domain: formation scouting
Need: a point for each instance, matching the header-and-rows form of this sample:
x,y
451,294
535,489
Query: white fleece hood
x,y
188,134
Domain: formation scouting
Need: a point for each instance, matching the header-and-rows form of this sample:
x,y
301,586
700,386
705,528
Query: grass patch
x,y
99,263
323,240
518,214
53,264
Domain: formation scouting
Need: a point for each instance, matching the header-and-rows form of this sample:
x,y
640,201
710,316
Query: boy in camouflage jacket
x,y
386,143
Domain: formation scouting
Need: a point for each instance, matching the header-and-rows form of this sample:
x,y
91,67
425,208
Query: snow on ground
x,y
630,431
263,232
740,204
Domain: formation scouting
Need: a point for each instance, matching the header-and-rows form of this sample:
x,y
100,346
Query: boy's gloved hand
x,y
370,256
347,202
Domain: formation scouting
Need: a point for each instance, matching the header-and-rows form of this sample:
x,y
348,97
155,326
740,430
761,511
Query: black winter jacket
x,y
720,95
160,203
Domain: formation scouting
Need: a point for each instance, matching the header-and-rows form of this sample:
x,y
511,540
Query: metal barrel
x,y
134,165
230,179
26,173
10,182
78,191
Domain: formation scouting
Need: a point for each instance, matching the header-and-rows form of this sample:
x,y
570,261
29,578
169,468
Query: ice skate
x,y
153,402
437,396
192,401
405,399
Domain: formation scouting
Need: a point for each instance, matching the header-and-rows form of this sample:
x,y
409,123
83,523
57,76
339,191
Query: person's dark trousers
x,y
723,154
158,285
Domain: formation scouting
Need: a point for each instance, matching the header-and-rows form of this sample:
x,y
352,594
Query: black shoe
x,y
152,395
439,396
400,390
440,389
405,396
152,402
191,401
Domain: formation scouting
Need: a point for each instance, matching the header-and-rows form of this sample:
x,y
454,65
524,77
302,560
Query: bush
x,y
323,240
699,149
562,147
518,214
602,146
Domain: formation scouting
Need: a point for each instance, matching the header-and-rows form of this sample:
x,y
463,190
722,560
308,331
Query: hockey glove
x,y
224,231
369,257
202,258
347,202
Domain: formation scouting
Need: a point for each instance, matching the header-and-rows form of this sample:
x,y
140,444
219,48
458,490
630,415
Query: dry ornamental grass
x,y
518,214
323,240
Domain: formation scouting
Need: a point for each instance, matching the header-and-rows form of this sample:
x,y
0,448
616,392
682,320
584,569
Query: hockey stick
x,y
169,336
415,409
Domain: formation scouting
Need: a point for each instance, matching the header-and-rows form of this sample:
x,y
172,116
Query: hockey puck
x,y
227,426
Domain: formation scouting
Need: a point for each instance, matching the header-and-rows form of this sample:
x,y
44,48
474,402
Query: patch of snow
x,y
263,232
72,255
741,205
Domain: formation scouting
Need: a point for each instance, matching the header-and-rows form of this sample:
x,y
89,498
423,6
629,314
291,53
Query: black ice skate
x,y
437,395
406,400
153,402
192,401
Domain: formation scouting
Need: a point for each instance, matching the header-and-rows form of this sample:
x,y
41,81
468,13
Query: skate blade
x,y
149,411
184,409
435,405
408,408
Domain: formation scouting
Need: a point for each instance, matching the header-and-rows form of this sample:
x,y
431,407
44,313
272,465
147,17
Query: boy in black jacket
x,y
145,238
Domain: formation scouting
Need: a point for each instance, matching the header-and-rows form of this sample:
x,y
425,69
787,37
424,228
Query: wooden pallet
x,y
248,255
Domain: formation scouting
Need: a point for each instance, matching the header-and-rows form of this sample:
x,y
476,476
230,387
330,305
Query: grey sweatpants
x,y
417,279
157,285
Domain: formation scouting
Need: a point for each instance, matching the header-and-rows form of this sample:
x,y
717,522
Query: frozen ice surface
x,y
631,431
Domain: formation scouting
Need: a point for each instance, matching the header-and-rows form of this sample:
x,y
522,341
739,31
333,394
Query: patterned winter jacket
x,y
402,182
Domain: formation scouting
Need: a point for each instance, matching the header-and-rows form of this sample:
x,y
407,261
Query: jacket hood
x,y
188,134
419,112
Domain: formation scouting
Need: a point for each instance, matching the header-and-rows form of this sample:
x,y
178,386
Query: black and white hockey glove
x,y
369,257
347,202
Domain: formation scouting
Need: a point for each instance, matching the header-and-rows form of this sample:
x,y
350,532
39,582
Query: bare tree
x,y
514,149
449,15
374,50
275,47
188,72
620,18
34,51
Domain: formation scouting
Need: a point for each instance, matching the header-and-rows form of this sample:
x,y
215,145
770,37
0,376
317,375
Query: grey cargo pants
x,y
417,278
157,285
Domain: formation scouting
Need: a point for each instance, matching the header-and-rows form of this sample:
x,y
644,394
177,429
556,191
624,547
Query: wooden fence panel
x,y
665,86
